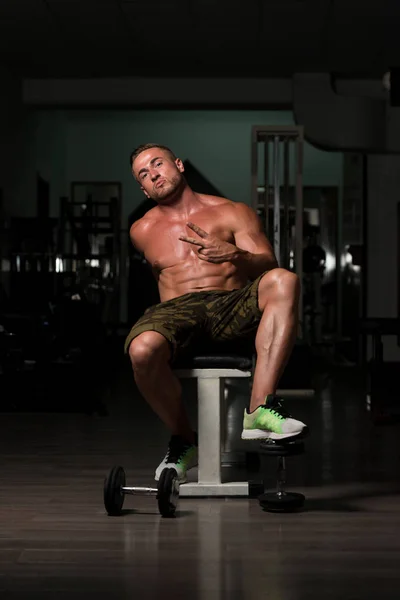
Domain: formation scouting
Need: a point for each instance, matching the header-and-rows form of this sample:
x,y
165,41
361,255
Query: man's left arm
x,y
255,253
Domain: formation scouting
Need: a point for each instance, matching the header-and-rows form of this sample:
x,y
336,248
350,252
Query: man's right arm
x,y
138,232
137,235
134,234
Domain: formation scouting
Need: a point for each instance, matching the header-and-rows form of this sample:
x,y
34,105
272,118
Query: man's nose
x,y
154,175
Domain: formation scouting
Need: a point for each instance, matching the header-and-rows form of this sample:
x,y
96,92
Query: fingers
x,y
190,240
209,259
197,229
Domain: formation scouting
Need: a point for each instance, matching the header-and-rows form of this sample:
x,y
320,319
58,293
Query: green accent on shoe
x,y
186,458
263,418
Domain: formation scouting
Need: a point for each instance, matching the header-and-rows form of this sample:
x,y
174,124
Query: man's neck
x,y
182,205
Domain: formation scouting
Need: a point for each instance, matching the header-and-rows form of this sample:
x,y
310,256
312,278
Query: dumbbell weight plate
x,y
271,448
284,502
168,492
113,497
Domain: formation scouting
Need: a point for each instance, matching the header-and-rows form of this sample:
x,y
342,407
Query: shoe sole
x,y
261,434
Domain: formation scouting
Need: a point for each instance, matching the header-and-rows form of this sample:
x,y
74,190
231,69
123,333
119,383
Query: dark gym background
x,y
82,84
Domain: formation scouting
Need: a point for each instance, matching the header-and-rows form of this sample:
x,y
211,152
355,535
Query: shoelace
x,y
277,409
276,414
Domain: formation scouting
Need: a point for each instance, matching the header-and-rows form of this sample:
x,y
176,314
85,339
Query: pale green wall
x,y
95,146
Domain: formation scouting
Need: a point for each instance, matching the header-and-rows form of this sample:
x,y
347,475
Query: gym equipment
x,y
211,370
281,500
314,262
287,236
381,375
212,366
89,248
167,491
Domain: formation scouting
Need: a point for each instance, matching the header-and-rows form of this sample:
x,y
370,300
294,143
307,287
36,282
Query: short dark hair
x,y
144,147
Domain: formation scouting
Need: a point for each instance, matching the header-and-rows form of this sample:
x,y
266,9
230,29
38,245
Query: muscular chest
x,y
166,249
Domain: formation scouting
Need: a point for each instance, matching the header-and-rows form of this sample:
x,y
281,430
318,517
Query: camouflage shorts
x,y
210,316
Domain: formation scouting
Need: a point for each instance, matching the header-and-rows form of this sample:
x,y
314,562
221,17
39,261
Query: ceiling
x,y
194,38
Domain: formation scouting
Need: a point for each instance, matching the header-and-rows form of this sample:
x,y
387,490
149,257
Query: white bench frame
x,y
210,400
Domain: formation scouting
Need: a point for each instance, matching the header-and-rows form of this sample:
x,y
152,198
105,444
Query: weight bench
x,y
211,372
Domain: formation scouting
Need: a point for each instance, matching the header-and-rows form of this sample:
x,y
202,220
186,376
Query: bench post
x,y
209,397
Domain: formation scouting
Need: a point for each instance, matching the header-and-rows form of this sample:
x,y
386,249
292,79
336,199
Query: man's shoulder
x,y
219,201
146,221
142,226
230,207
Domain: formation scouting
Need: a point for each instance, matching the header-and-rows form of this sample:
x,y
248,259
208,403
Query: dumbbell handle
x,y
139,491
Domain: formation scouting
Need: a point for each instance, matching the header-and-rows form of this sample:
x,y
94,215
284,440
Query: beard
x,y
168,190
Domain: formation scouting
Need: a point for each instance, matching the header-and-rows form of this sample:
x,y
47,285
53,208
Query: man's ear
x,y
144,192
180,165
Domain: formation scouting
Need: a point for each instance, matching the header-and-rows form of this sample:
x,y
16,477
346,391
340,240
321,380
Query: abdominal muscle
x,y
187,277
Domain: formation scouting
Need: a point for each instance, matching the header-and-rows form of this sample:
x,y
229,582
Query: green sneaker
x,y
271,422
180,456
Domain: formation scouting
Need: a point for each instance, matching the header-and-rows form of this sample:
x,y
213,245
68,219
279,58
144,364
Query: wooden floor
x,y
56,542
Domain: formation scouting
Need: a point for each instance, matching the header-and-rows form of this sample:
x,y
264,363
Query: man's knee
x,y
282,278
147,348
278,282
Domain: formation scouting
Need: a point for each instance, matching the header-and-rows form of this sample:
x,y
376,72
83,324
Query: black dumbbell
x,y
281,500
167,491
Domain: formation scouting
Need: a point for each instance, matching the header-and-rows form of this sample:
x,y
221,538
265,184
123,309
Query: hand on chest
x,y
166,243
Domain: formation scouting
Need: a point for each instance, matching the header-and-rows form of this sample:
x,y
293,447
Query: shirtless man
x,y
218,279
